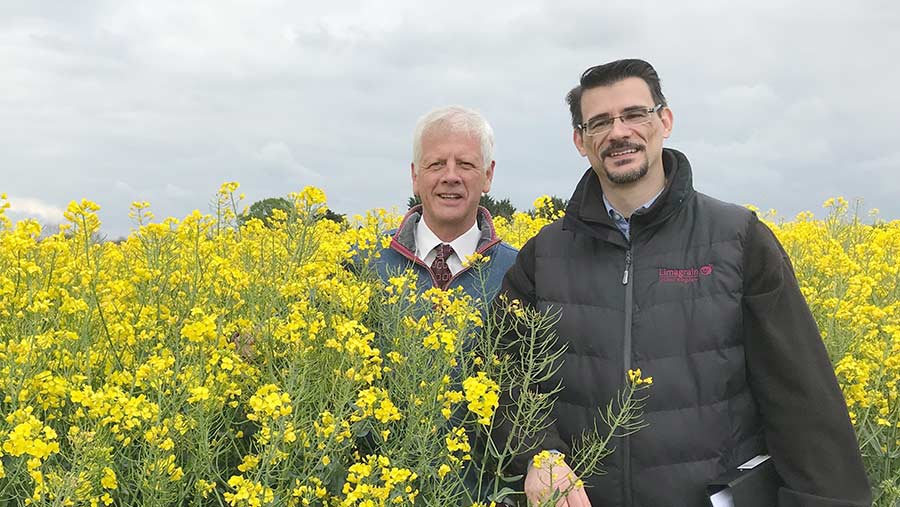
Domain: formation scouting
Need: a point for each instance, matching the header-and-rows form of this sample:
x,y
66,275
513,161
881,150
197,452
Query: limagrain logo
x,y
689,275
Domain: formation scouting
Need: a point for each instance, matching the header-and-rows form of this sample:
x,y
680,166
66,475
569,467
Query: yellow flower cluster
x,y
482,395
551,460
269,403
373,482
306,494
375,402
112,407
248,493
448,399
28,436
164,467
547,459
634,376
458,446
525,226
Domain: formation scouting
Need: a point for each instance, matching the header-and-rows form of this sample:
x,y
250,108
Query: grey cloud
x,y
31,207
178,192
279,157
120,101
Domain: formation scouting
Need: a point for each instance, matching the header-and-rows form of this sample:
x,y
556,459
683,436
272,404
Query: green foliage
x,y
262,210
498,208
334,217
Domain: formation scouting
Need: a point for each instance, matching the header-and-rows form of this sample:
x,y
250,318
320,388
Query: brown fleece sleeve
x,y
807,427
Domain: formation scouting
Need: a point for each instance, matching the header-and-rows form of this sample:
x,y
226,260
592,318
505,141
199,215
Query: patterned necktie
x,y
439,267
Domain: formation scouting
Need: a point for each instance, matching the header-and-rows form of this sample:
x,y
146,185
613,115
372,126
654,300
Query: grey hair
x,y
455,119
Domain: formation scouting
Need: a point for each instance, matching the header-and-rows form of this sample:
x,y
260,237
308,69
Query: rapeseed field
x,y
204,361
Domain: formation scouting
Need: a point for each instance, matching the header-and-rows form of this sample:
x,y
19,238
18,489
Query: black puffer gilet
x,y
676,315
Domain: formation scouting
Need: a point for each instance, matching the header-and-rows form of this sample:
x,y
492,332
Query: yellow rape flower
x,y
482,395
108,480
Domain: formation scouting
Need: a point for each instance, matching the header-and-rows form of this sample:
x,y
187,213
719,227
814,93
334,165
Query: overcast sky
x,y
779,104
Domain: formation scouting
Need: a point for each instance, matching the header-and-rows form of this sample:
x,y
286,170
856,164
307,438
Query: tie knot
x,y
444,251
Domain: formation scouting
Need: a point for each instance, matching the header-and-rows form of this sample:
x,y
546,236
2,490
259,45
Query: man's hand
x,y
551,474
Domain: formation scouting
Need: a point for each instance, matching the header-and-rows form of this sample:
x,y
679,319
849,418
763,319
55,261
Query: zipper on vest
x,y
627,267
626,448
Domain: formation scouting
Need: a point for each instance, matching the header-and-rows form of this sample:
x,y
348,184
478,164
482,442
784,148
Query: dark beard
x,y
629,177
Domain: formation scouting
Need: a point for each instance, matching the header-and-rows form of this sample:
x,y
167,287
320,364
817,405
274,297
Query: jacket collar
x,y
587,213
404,239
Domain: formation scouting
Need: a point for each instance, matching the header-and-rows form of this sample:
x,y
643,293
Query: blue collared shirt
x,y
619,219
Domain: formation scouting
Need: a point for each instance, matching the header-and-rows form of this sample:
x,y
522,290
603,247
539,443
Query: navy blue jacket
x,y
401,255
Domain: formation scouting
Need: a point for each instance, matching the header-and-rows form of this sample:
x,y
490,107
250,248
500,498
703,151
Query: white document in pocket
x,y
723,498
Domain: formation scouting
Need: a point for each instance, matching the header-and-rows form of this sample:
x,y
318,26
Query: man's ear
x,y
667,120
489,177
412,174
578,139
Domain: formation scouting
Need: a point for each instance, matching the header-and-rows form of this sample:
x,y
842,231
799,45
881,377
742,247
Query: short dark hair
x,y
613,72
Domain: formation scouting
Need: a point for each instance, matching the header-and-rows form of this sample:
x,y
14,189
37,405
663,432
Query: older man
x,y
452,166
649,274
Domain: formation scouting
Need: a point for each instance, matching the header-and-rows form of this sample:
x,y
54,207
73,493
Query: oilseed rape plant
x,y
214,361
211,360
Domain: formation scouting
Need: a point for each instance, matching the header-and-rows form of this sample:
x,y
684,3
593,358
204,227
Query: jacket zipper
x,y
627,267
626,448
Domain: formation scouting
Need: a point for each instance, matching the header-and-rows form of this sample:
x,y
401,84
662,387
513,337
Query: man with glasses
x,y
648,274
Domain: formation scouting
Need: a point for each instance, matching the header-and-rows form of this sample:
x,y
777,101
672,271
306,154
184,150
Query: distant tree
x,y
334,217
501,208
559,203
498,208
263,209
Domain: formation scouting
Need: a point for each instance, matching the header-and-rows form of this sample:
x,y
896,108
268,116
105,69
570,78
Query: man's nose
x,y
619,129
452,172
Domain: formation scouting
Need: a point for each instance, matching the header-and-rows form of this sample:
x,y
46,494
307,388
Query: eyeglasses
x,y
632,118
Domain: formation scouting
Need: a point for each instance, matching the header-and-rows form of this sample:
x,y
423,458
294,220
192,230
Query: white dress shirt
x,y
463,246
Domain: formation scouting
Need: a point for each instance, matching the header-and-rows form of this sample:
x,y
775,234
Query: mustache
x,y
619,146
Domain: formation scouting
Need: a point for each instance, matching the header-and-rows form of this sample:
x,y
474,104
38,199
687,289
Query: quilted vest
x,y
667,302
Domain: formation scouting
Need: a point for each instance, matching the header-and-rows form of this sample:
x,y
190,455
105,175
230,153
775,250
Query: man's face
x,y
450,181
623,155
